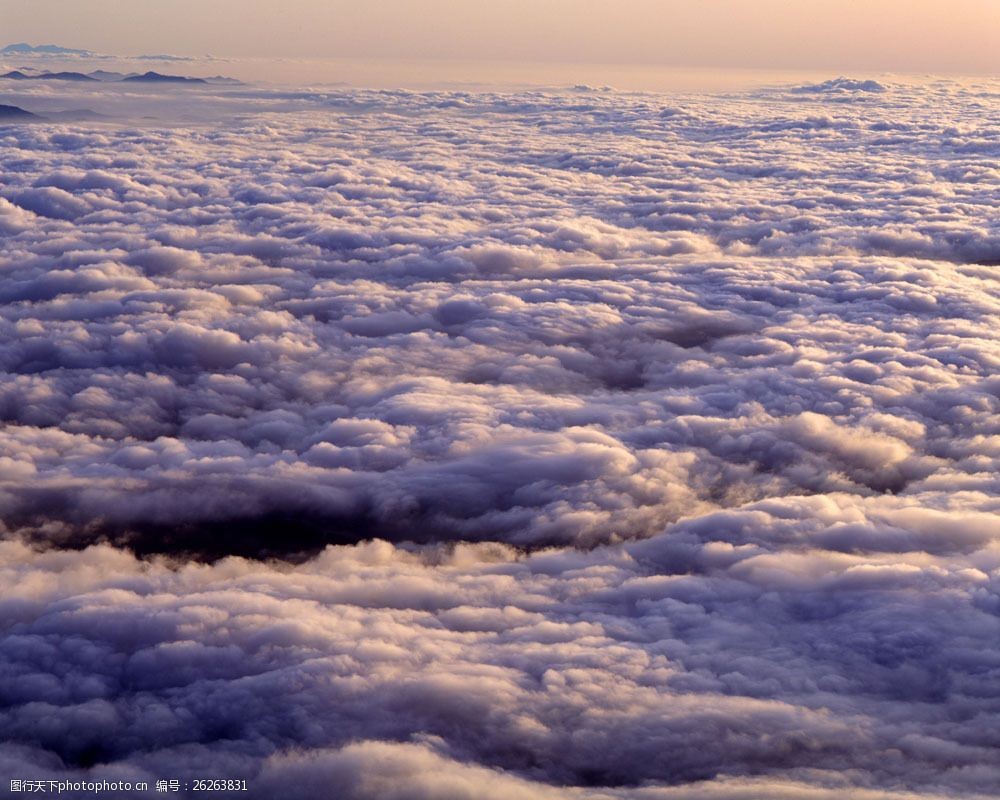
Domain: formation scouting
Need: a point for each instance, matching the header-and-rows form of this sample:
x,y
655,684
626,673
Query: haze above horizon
x,y
883,35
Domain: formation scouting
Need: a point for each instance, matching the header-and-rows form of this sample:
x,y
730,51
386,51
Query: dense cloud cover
x,y
675,421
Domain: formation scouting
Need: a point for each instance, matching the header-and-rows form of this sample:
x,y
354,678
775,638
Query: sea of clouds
x,y
548,444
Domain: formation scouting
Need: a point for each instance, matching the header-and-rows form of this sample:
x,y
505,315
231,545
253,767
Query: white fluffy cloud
x,y
675,421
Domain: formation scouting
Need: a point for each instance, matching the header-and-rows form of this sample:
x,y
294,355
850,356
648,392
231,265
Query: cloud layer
x,y
675,421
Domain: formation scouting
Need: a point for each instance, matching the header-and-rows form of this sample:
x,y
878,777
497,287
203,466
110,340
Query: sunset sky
x,y
899,35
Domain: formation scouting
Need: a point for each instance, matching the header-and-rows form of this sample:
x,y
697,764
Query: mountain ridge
x,y
23,48
103,76
16,113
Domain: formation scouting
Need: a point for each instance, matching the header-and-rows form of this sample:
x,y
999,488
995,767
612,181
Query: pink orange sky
x,y
957,36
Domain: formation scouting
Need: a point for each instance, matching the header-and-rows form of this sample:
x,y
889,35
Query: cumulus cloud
x,y
759,643
553,444
837,85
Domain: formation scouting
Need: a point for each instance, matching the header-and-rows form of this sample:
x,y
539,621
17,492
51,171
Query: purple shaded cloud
x,y
552,444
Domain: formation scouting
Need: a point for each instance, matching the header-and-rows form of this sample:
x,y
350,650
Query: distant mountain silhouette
x,y
17,75
23,48
15,114
76,115
156,77
110,77
51,76
104,76
64,76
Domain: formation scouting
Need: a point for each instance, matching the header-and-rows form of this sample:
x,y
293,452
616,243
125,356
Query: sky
x,y
958,36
